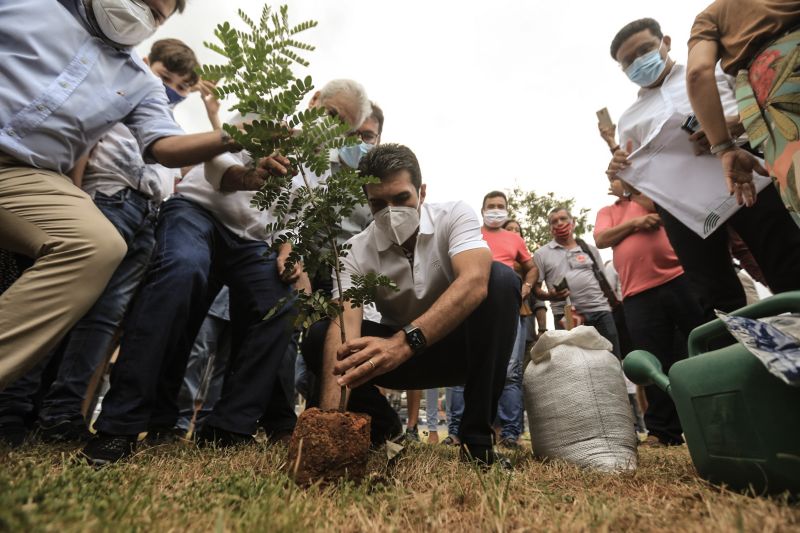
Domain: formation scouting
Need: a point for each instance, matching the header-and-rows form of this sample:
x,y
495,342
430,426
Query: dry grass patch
x,y
179,488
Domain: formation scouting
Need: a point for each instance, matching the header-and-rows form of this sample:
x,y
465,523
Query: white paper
x,y
692,188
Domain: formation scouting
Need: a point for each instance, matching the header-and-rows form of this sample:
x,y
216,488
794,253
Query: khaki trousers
x,y
45,217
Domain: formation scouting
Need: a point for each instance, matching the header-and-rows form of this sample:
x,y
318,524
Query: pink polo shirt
x,y
644,259
506,246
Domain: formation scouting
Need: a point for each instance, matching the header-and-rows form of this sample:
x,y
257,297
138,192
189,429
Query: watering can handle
x,y
644,368
702,336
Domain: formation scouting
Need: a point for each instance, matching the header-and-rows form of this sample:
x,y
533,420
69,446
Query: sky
x,y
486,94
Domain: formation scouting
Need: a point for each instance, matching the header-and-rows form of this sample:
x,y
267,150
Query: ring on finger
x,y
371,363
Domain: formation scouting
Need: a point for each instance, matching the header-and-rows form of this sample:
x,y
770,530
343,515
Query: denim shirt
x,y
62,87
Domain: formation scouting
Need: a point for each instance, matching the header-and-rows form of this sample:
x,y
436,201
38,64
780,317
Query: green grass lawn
x,y
181,488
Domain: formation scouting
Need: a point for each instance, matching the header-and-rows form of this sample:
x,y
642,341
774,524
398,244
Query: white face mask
x,y
398,224
494,218
126,22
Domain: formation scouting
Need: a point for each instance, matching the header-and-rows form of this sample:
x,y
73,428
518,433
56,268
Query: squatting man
x,y
452,319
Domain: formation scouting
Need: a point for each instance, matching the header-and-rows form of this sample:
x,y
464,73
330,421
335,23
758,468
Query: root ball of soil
x,y
328,446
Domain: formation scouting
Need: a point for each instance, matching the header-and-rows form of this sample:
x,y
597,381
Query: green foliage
x,y
309,208
530,209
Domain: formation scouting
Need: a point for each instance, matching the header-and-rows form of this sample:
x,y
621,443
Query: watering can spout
x,y
643,368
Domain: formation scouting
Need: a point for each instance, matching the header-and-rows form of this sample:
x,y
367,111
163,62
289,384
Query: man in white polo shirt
x,y
206,237
452,319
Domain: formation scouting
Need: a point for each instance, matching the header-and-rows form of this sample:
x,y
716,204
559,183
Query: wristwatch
x,y
415,339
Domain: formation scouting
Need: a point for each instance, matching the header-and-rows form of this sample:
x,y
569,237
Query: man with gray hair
x,y
206,239
572,268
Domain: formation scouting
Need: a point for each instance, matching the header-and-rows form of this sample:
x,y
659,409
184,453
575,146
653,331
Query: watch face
x,y
415,339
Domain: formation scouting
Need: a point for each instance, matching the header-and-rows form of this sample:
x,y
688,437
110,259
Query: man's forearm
x,y
613,236
530,277
452,308
186,150
701,84
240,178
704,96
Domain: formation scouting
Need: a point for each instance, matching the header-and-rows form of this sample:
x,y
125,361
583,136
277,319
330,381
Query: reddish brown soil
x,y
330,446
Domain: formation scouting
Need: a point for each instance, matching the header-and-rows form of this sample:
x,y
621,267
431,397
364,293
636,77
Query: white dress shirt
x,y
231,209
116,163
655,106
445,230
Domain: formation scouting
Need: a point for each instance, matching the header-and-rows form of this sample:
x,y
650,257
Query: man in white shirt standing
x,y
452,320
206,237
642,51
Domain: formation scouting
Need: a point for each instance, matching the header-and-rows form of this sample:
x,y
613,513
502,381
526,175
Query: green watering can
x,y
741,423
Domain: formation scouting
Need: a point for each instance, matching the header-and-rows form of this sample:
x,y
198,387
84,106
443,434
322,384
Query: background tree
x,y
530,209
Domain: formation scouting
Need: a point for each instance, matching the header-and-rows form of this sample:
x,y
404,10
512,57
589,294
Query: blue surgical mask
x,y
646,69
351,155
173,96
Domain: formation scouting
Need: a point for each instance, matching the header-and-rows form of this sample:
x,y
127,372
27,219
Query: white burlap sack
x,y
577,402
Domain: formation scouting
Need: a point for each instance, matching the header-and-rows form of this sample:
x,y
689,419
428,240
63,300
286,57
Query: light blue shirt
x,y
62,88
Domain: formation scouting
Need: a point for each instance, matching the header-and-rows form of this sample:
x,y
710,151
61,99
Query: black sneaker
x,y
221,438
63,430
411,434
104,449
157,436
13,433
484,456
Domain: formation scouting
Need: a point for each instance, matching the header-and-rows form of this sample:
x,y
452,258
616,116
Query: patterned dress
x,y
768,93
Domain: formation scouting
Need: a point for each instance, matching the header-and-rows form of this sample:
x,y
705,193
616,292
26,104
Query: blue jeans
x,y
510,411
195,255
210,353
454,399
88,344
432,409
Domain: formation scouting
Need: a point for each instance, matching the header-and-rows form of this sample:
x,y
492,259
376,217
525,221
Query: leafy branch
x,y
307,208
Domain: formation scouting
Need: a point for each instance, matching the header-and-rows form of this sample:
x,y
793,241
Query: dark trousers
x,y
769,232
475,355
660,320
195,255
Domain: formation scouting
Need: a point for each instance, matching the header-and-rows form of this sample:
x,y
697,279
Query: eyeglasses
x,y
367,136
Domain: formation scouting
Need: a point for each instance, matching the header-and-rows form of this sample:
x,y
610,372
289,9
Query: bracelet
x,y
722,147
614,150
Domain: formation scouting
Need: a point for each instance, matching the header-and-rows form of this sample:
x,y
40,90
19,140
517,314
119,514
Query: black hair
x,y
377,114
632,28
494,194
388,159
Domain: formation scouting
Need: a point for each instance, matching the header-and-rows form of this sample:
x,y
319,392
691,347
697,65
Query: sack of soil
x,y
577,402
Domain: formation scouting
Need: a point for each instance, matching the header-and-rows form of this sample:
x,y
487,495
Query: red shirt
x,y
643,259
506,246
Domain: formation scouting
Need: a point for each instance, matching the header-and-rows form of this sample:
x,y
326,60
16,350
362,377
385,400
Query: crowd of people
x,y
131,246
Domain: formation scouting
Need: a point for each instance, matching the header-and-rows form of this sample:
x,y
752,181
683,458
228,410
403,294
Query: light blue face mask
x,y
646,69
351,155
